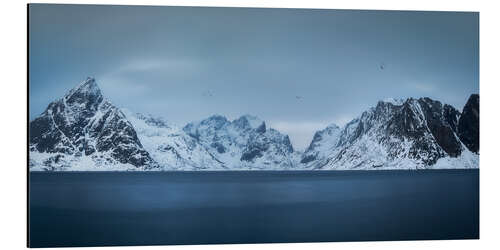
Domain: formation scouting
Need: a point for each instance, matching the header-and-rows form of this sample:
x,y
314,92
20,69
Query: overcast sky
x,y
299,70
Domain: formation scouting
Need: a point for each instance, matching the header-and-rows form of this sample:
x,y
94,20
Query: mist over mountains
x,y
83,131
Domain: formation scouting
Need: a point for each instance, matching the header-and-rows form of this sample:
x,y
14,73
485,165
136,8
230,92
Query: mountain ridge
x,y
412,134
84,131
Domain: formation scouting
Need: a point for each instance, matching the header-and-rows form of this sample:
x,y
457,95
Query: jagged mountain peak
x,y
254,121
87,88
323,141
408,101
413,108
216,121
394,101
242,143
414,133
216,117
80,102
474,98
170,146
84,127
251,122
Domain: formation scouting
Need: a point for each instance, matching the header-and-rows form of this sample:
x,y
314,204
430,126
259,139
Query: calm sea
x,y
154,208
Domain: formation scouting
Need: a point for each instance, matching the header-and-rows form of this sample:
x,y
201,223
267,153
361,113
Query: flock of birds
x,y
209,93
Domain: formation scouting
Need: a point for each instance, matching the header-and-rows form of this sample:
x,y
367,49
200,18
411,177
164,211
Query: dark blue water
x,y
102,209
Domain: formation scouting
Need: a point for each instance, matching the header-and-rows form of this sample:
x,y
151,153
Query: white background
x,y
13,121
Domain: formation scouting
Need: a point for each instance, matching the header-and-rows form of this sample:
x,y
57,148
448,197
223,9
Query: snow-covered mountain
x,y
411,134
83,131
170,146
244,143
323,142
468,125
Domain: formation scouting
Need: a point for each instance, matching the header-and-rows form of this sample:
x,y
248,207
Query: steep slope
x,y
83,131
468,125
170,146
323,142
411,134
244,143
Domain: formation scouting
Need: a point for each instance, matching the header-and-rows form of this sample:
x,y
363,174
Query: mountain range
x,y
83,131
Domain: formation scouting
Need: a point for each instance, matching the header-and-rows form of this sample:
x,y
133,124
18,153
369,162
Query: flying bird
x,y
207,93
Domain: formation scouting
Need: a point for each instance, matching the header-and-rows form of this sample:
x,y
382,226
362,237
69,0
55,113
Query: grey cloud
x,y
161,60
